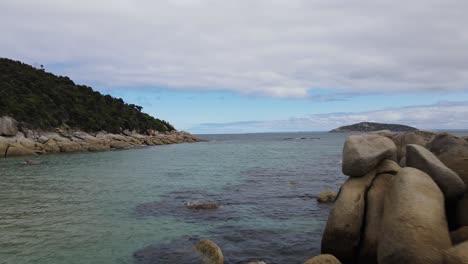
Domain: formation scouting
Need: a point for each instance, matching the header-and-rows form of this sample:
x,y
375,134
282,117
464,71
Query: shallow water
x,y
128,206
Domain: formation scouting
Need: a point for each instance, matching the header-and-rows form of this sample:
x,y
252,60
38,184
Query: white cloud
x,y
275,48
444,115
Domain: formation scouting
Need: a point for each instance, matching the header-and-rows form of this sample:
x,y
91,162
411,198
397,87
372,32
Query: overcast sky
x,y
211,65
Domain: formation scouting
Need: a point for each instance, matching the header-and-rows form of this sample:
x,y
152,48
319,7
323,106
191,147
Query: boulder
x,y
374,214
343,230
419,137
15,150
384,133
84,136
42,139
460,235
3,147
388,167
414,227
362,153
453,152
210,251
119,144
27,143
94,146
8,126
326,196
70,146
457,254
448,181
203,205
323,259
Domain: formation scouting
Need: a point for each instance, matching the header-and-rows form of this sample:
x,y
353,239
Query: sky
x,y
218,66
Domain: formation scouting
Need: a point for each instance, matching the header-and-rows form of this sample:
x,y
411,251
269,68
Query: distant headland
x,y
371,126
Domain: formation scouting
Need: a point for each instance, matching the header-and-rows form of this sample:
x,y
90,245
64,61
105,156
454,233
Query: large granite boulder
x,y
453,152
8,126
343,230
323,259
70,146
414,228
419,137
457,254
448,181
211,253
15,150
374,214
362,153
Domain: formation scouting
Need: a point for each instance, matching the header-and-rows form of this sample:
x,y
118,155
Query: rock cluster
x,y
20,141
401,213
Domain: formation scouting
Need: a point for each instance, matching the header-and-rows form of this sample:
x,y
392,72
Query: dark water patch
x,y
180,251
239,245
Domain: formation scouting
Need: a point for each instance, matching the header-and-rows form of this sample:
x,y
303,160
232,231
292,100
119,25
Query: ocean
x,y
128,206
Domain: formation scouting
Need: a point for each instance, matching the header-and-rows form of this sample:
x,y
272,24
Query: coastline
x,y
25,142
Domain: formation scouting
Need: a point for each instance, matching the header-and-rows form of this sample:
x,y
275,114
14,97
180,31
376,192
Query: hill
x,y
370,126
44,100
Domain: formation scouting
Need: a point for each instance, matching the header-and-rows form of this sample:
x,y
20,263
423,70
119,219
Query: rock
x,y
460,235
8,126
323,259
326,196
362,153
453,152
27,143
388,167
84,136
150,132
119,144
384,133
414,228
3,147
343,230
448,181
374,214
15,150
94,146
42,139
203,205
210,251
419,137
32,162
70,147
457,254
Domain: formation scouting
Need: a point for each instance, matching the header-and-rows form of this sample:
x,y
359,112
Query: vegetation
x,y
370,126
44,100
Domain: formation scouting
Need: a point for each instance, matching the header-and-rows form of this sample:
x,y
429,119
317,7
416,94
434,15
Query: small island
x,y
371,126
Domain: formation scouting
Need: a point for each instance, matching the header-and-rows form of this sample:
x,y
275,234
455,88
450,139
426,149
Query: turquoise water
x,y
128,206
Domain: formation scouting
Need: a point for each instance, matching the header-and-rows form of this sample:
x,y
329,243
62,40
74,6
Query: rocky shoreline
x,y
18,140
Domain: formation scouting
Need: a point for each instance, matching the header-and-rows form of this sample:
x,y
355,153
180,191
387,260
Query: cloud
x,y
263,47
443,115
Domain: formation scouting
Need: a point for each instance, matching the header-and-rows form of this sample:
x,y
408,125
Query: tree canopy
x,y
44,100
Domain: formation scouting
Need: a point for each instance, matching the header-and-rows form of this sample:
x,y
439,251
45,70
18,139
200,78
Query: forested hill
x,y
44,100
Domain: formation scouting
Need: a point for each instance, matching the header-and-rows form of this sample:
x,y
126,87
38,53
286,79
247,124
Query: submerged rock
x,y
323,259
414,227
362,153
210,251
203,205
448,181
326,196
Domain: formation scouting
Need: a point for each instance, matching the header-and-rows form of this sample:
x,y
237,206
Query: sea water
x,y
129,206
